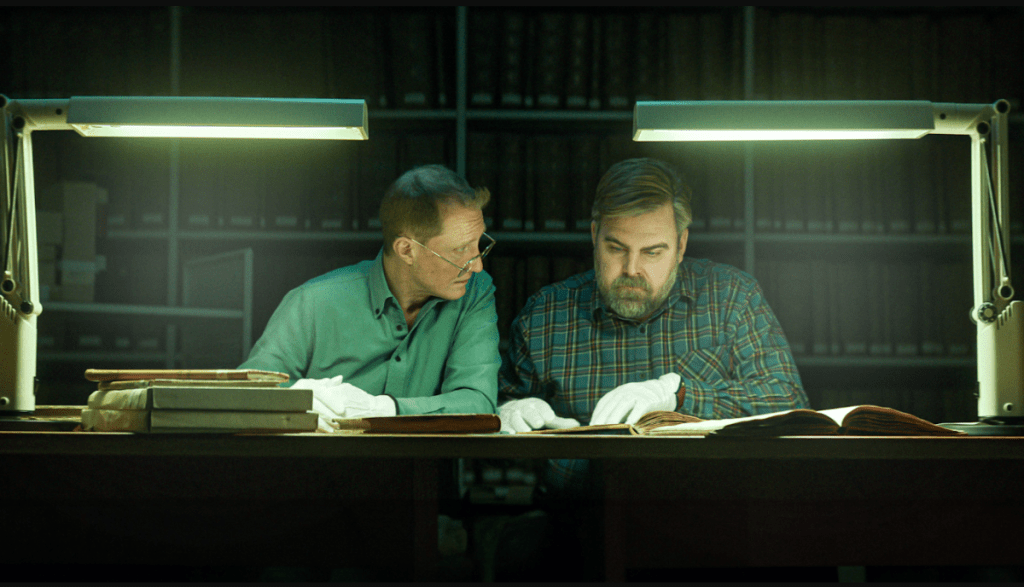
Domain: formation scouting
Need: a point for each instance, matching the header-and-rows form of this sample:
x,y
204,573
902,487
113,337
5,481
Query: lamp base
x,y
986,429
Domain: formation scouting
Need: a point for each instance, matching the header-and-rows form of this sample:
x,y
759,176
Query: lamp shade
x,y
282,118
743,120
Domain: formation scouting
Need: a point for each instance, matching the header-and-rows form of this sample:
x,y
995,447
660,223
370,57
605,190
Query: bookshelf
x,y
480,102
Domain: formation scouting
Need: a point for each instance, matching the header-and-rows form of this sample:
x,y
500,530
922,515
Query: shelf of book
x,y
103,357
625,118
889,362
136,310
405,115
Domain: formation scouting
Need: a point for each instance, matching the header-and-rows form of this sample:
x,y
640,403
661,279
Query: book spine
x,y
647,73
513,60
377,171
412,35
822,296
551,59
584,175
852,308
596,73
483,54
511,185
683,57
577,72
482,167
618,60
551,197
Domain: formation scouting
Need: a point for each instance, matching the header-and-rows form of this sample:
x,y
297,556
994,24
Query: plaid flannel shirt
x,y
715,330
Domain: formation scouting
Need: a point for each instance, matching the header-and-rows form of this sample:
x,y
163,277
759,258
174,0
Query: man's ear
x,y
682,244
404,250
593,233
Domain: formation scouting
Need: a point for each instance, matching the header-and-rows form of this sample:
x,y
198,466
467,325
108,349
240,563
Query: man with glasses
x,y
412,332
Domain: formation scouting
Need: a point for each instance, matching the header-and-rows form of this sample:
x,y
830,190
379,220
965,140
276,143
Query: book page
x,y
838,414
706,426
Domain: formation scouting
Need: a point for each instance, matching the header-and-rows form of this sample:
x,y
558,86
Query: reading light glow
x,y
222,132
773,135
782,120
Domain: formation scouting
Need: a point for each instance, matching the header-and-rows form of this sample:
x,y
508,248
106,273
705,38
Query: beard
x,y
634,304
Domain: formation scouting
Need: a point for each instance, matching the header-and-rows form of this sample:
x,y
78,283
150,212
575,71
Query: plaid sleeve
x,y
517,377
763,376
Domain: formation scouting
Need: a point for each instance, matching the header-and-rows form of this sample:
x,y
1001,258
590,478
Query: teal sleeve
x,y
285,344
470,375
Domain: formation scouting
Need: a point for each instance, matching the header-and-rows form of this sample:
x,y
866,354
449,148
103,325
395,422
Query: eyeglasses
x,y
463,269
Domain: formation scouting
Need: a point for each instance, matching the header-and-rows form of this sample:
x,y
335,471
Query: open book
x,y
864,420
643,426
420,424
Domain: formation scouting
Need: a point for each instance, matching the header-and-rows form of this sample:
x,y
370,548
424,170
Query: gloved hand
x,y
315,384
531,413
628,402
344,400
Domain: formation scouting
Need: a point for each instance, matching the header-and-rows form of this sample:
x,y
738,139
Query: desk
x,y
668,502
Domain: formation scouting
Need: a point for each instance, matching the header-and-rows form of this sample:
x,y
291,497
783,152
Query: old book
x,y
420,424
551,195
852,308
483,53
190,374
550,74
512,59
683,77
197,421
823,336
617,59
643,426
648,75
200,397
511,189
214,383
578,61
583,173
793,297
862,420
412,52
377,170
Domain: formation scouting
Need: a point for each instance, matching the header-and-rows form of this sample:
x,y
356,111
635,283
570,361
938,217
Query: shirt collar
x,y
379,290
380,293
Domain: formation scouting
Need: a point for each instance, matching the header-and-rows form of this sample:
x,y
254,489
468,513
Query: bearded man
x,y
648,329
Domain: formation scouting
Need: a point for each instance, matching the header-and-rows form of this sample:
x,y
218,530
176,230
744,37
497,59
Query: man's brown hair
x,y
411,206
636,186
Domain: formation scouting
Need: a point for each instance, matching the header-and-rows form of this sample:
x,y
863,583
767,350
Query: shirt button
x,y
398,359
399,327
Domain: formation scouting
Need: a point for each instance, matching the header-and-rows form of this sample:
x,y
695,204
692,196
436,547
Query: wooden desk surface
x,y
431,446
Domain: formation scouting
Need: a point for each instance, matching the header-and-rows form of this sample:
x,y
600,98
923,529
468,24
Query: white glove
x,y
315,384
334,399
628,402
523,415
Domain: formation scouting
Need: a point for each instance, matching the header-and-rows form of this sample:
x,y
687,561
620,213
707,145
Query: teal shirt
x,y
347,322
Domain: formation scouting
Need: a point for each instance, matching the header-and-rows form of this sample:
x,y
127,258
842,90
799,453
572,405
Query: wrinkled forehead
x,y
459,225
642,229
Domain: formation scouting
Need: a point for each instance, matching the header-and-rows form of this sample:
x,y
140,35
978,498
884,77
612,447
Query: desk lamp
x,y
998,318
237,118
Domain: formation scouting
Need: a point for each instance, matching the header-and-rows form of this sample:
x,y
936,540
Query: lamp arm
x,y
19,302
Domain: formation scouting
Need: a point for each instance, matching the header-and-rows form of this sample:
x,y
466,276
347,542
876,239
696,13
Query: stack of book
x,y
192,401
